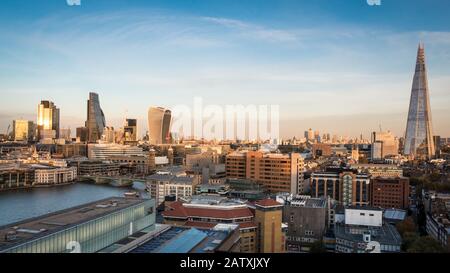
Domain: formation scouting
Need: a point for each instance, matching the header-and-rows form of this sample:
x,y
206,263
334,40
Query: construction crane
x,y
7,132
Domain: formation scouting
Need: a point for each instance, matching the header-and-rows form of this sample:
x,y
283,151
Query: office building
x,y
419,141
23,130
15,176
389,192
95,122
159,122
161,185
105,151
376,152
130,130
87,228
46,175
48,120
276,172
345,185
82,134
389,144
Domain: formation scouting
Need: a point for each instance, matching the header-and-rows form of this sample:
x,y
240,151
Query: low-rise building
x,y
437,209
176,239
46,175
208,211
365,232
161,185
87,228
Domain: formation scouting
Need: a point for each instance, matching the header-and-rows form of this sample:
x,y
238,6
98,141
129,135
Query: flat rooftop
x,y
184,240
44,225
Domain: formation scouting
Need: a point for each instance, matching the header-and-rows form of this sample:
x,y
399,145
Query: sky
x,y
337,66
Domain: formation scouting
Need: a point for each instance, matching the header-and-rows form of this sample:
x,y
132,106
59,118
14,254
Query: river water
x,y
17,205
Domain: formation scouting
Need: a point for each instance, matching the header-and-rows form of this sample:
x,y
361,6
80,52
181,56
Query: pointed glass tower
x,y
419,129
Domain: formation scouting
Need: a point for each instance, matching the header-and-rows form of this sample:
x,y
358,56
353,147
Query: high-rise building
x,y
95,122
277,172
419,130
376,152
130,130
389,143
48,120
82,134
159,121
23,130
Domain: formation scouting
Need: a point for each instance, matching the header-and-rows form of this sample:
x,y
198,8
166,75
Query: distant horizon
x,y
339,68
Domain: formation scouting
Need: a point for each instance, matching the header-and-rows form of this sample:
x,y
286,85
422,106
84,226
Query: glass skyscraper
x,y
95,122
419,130
48,120
159,121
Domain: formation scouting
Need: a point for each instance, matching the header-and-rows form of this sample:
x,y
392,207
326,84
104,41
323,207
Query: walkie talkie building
x,y
419,130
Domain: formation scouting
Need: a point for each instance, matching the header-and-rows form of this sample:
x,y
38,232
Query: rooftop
x,y
180,210
51,223
185,240
386,234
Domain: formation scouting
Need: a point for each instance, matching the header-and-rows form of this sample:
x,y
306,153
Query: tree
x,y
318,247
426,244
407,225
408,238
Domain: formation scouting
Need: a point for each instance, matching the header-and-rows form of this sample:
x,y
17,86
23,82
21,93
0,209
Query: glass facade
x,y
93,235
95,122
419,130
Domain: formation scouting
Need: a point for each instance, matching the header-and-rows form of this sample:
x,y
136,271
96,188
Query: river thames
x,y
17,205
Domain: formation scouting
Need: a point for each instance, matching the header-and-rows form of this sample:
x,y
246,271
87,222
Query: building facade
x,y
389,192
48,120
347,186
23,130
159,122
87,228
276,172
419,141
95,122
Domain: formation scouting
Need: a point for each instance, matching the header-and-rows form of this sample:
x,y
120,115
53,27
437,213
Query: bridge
x,y
116,181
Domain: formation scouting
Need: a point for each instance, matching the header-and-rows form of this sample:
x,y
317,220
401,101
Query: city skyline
x,y
343,75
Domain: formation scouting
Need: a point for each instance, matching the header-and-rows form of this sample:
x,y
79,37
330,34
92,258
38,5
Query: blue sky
x,y
339,66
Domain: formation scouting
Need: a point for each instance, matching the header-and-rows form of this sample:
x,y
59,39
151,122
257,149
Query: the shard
x,y
419,142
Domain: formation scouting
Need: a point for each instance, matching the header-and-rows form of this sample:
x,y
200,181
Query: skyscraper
x,y
95,122
130,130
23,130
48,120
419,130
159,121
